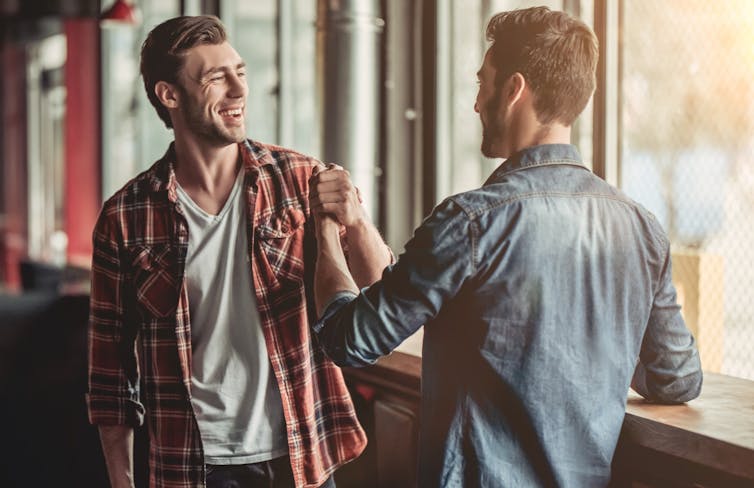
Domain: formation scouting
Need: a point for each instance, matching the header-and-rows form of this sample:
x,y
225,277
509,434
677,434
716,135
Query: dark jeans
x,y
275,473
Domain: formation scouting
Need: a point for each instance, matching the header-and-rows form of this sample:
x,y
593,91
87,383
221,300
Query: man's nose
x,y
476,106
238,86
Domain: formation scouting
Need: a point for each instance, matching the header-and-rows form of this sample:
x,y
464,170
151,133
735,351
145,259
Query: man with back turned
x,y
545,293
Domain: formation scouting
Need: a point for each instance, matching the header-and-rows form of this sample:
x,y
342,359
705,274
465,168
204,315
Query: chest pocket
x,y
281,242
155,283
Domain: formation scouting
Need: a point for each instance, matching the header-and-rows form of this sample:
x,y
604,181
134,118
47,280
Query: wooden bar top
x,y
715,430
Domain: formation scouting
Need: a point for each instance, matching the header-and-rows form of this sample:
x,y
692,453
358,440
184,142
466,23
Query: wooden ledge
x,y
713,433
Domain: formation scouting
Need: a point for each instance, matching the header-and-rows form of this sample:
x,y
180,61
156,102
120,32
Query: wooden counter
x,y
708,442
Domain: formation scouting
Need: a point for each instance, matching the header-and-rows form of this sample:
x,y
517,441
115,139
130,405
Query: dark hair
x,y
162,54
555,53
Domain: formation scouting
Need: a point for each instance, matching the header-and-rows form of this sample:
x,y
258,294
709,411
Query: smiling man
x,y
200,301
543,293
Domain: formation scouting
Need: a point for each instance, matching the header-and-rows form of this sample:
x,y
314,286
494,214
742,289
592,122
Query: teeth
x,y
236,111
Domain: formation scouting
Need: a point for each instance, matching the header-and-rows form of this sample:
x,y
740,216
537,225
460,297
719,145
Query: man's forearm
x,y
118,446
368,255
331,274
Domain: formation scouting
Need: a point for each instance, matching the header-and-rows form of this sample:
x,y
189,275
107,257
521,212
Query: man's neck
x,y
551,134
206,172
539,135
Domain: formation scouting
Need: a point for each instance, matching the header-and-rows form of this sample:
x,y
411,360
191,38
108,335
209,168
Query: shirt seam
x,y
528,196
549,162
471,219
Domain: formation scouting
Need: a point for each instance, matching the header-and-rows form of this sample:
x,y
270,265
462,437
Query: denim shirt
x,y
543,293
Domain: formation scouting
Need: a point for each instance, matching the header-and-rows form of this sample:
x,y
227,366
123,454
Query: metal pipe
x,y
349,40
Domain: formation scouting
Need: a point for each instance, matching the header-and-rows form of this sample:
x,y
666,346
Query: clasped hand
x,y
333,198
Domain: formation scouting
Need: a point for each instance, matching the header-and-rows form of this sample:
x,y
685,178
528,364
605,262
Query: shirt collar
x,y
546,154
162,177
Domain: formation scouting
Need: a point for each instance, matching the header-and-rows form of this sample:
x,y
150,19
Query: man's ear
x,y
514,88
167,94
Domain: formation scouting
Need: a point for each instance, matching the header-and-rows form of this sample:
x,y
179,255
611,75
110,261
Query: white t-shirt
x,y
234,393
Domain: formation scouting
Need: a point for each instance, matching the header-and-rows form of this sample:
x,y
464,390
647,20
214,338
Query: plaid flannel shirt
x,y
140,331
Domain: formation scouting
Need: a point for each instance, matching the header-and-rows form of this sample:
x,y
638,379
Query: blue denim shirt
x,y
541,292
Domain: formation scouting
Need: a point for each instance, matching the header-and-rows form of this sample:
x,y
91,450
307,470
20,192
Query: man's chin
x,y
488,151
240,137
233,136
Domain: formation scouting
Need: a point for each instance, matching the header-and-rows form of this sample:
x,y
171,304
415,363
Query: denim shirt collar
x,y
544,155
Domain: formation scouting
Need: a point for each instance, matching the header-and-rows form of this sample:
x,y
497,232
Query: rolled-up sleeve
x,y
357,330
669,369
113,382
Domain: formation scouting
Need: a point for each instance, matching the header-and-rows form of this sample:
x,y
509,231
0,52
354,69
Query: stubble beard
x,y
492,130
210,130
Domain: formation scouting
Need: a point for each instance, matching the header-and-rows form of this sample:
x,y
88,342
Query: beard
x,y
207,128
493,130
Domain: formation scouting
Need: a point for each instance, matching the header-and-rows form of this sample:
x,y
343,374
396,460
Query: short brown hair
x,y
555,53
162,54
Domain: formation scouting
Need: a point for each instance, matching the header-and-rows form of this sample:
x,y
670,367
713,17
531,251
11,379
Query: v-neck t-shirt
x,y
234,393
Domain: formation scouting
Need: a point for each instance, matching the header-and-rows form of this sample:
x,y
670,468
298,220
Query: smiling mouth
x,y
235,112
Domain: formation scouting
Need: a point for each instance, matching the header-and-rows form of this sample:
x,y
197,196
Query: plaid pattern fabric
x,y
140,336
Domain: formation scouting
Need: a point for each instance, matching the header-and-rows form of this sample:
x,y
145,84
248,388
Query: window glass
x,y
133,136
252,27
304,112
45,101
686,146
276,38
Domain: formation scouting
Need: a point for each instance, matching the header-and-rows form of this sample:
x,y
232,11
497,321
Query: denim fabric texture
x,y
542,294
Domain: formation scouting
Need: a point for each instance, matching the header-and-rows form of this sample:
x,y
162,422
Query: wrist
x,y
329,227
358,225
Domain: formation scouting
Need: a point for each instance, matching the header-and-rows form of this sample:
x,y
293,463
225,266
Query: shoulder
x,y
448,222
135,192
472,203
283,158
283,175
139,195
648,220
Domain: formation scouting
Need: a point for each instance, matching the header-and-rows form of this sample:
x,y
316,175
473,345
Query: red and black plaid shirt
x,y
140,329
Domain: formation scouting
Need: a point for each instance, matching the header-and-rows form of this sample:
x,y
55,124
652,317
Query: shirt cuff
x,y
335,303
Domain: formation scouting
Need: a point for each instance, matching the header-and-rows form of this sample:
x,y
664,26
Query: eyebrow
x,y
205,74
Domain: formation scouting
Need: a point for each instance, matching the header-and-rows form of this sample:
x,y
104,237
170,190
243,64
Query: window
x,y
686,153
133,136
45,101
278,44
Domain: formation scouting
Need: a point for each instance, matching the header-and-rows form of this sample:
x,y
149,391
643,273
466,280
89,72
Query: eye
x,y
241,74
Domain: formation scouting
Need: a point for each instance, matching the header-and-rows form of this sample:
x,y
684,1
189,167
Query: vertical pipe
x,y
400,206
349,38
83,155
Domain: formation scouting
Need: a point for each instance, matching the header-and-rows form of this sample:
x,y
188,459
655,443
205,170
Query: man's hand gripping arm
x,y
334,195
